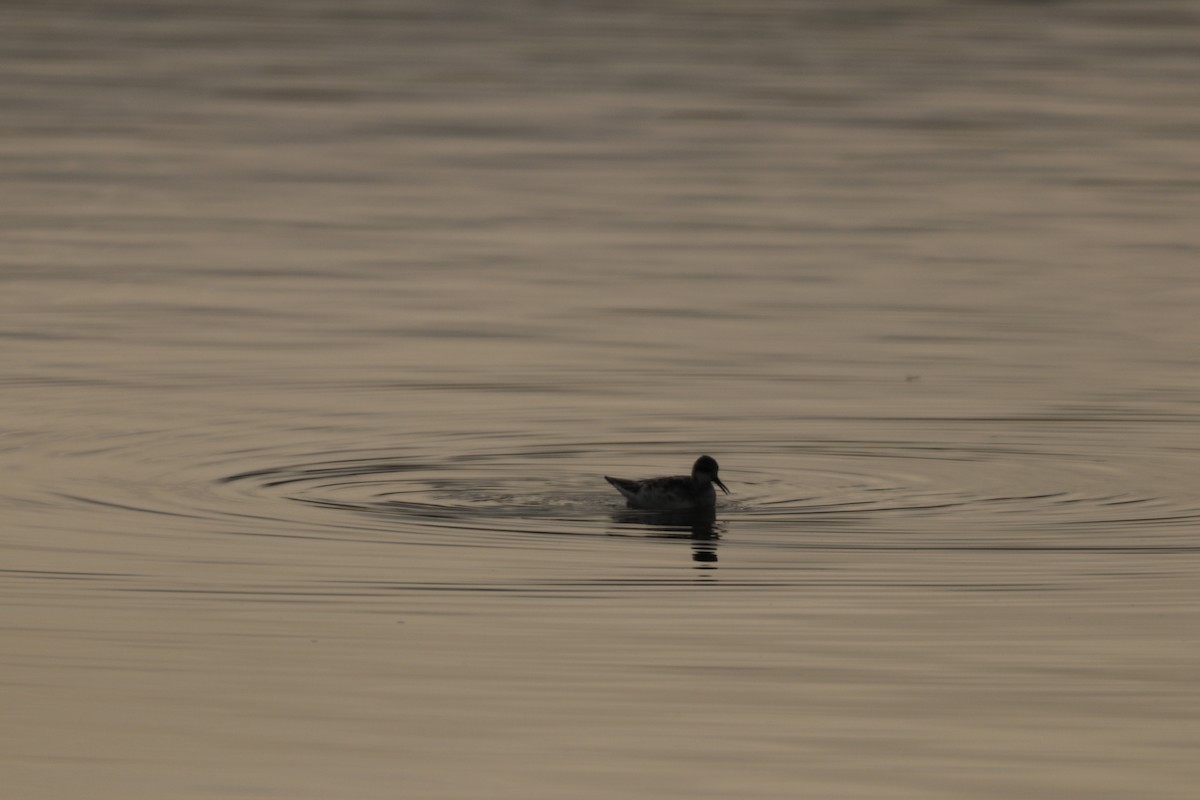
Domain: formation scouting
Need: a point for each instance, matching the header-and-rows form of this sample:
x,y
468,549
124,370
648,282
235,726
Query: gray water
x,y
323,320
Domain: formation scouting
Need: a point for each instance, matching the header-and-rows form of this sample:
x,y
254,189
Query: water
x,y
322,322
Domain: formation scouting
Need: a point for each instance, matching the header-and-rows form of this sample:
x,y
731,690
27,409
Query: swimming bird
x,y
675,492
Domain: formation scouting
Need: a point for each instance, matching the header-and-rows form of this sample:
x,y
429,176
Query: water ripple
x,y
882,494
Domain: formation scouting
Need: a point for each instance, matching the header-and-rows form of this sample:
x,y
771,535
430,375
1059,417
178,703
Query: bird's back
x,y
677,491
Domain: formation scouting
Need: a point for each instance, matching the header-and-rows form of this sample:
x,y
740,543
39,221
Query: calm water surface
x,y
322,321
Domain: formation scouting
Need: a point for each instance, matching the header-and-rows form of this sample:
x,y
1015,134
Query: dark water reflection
x,y
322,322
698,526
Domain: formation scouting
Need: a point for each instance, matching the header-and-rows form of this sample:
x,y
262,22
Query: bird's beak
x,y
724,488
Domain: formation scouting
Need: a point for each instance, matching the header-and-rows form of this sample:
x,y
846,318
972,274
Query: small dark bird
x,y
675,492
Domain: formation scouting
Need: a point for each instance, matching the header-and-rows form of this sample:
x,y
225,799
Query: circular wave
x,y
835,493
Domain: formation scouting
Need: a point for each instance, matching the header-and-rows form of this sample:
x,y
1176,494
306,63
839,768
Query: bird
x,y
676,491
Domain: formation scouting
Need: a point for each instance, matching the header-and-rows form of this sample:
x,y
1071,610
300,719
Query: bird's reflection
x,y
698,525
